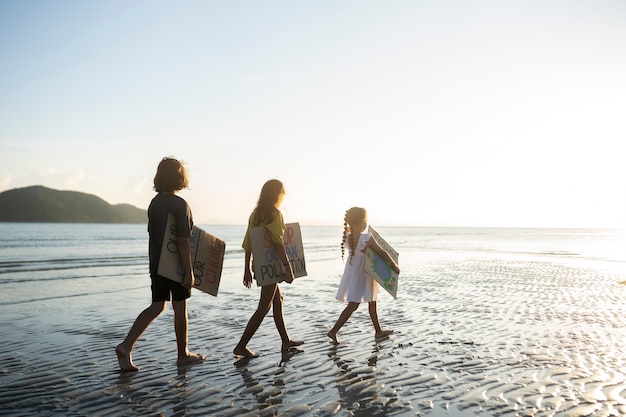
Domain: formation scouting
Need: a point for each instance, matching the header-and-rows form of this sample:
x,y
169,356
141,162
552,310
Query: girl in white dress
x,y
356,285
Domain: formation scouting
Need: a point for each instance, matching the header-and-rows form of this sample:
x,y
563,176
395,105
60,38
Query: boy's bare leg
x,y
143,320
181,327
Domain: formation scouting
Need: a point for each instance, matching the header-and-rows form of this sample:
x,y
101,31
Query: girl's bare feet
x,y
245,352
124,359
333,337
292,343
190,359
383,333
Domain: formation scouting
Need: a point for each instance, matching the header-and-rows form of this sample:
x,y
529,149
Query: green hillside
x,y
44,205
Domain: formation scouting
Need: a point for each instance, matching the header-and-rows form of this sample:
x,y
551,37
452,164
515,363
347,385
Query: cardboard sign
x,y
268,268
207,257
380,270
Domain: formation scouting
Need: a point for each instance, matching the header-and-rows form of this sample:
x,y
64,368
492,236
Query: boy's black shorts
x,y
162,288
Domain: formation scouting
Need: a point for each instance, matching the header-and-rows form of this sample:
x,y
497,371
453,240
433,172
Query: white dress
x,y
356,285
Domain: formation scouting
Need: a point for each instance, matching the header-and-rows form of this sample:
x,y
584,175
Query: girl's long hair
x,y
270,193
353,217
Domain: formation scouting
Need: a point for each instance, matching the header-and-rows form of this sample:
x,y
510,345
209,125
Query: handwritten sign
x,y
380,270
268,268
207,257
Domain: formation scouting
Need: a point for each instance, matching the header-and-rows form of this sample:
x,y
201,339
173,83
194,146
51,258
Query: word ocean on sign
x,y
207,257
268,269
380,270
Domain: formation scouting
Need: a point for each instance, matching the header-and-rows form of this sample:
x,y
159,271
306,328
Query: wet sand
x,y
473,336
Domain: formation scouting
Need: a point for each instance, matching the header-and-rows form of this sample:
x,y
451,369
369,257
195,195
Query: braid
x,y
354,240
346,228
355,214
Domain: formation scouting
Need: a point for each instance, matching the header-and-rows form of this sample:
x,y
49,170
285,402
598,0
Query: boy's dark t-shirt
x,y
160,206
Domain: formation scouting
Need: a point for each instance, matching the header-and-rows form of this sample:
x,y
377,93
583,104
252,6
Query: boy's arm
x,y
185,258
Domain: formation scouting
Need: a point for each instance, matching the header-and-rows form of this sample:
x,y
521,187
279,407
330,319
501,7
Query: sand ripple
x,y
473,336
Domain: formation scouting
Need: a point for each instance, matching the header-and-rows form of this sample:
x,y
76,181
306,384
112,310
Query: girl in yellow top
x,y
266,214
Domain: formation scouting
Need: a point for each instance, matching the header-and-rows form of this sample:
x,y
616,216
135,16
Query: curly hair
x,y
171,176
353,217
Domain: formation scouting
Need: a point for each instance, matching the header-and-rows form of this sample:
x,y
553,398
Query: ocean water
x,y
487,321
75,259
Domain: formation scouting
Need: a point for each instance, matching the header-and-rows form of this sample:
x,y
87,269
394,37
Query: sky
x,y
427,113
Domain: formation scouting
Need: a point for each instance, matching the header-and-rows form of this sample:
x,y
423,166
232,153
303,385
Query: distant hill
x,y
44,205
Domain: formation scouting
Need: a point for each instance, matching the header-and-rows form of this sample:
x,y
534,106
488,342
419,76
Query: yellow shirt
x,y
276,229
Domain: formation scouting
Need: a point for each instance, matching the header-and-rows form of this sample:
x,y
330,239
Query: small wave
x,y
59,297
11,267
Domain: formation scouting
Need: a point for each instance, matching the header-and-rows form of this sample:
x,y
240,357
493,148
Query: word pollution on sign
x,y
207,257
378,268
268,268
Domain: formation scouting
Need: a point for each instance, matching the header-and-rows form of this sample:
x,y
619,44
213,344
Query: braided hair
x,y
353,217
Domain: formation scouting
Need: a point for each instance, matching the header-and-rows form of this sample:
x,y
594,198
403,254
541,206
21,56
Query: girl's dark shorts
x,y
162,288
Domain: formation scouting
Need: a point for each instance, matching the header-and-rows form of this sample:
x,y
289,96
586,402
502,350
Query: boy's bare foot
x,y
245,352
383,333
125,360
292,343
333,337
190,359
